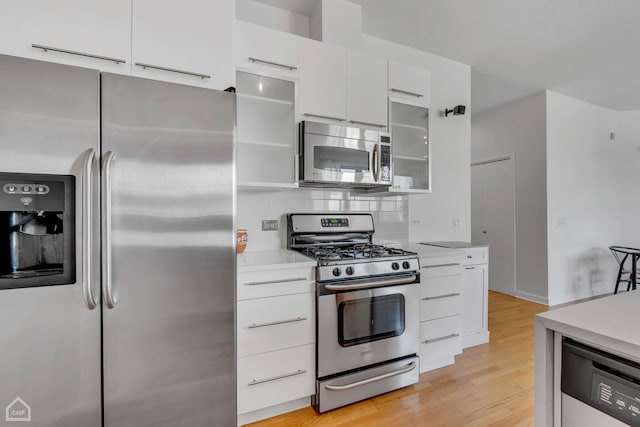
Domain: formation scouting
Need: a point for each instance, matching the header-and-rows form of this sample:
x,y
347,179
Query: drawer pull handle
x,y
325,117
279,377
279,322
355,122
410,367
469,256
442,265
271,282
448,337
173,70
74,52
275,64
405,92
455,294
469,268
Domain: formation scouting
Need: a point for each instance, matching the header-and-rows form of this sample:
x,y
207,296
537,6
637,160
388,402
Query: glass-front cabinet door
x,y
411,148
266,132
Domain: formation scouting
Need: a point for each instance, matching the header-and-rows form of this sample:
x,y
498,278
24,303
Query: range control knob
x,y
395,266
349,271
406,265
337,271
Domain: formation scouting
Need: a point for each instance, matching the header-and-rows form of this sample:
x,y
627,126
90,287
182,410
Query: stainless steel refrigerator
x,y
117,253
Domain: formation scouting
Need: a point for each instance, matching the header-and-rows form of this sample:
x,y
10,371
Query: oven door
x,y
341,161
365,327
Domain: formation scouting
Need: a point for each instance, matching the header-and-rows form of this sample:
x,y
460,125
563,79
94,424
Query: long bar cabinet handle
x,y
74,52
448,337
355,122
410,367
271,282
87,217
372,283
452,264
107,292
275,64
279,322
173,70
339,119
406,92
455,294
279,377
469,268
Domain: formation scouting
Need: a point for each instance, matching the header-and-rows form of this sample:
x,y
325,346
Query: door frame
x,y
503,158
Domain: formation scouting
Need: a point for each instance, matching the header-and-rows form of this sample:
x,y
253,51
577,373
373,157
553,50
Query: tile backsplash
x,y
390,214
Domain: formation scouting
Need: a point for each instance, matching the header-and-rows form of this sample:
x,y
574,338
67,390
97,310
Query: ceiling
x,y
586,49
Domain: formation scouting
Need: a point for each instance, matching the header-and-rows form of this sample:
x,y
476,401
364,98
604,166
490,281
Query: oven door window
x,y
339,159
370,319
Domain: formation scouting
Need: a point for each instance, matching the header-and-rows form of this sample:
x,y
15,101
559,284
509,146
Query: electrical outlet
x,y
269,225
456,223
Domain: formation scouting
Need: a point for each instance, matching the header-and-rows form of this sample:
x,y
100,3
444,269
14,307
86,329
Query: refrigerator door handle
x,y
87,217
107,293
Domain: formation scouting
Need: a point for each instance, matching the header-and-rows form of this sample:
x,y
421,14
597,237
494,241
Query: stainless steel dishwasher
x,y
598,388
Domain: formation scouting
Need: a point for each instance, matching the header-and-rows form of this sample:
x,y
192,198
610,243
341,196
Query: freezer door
x,y
168,254
49,338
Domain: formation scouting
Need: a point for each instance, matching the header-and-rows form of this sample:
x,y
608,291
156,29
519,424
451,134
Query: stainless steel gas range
x,y
367,308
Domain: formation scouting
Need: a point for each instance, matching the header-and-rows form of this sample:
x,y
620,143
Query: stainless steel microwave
x,y
344,156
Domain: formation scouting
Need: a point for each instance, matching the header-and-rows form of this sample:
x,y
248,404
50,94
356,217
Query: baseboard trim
x,y
272,411
475,339
531,297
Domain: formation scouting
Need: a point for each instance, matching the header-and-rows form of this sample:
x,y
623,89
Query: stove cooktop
x,y
328,255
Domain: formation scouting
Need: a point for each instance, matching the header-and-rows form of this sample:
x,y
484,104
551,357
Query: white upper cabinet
x,y
366,90
267,52
409,84
99,28
187,41
323,82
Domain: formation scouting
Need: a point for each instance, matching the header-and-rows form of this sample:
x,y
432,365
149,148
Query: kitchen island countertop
x,y
609,323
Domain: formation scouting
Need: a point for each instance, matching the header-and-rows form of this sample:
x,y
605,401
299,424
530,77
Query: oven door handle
x,y
372,283
410,367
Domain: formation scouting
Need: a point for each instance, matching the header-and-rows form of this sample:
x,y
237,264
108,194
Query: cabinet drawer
x,y
272,378
268,324
476,256
440,340
269,283
440,297
438,267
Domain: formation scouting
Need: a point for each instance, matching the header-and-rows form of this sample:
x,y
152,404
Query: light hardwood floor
x,y
489,385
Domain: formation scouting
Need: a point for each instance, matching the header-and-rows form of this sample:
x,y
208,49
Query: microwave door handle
x,y
87,217
107,162
375,163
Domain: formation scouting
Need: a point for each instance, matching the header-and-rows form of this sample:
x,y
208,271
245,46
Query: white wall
x,y
431,216
519,127
583,203
628,140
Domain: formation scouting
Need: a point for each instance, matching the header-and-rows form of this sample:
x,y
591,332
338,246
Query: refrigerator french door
x,y
117,299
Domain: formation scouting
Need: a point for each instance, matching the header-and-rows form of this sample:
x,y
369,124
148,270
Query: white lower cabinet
x,y
275,341
475,328
276,377
268,324
441,304
440,341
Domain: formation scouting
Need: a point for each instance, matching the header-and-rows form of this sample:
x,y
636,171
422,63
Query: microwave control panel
x,y
385,163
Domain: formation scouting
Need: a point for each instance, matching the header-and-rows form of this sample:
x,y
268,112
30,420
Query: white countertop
x,y
455,244
429,251
272,260
612,323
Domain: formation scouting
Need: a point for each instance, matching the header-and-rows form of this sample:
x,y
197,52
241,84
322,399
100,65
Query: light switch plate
x,y
269,225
